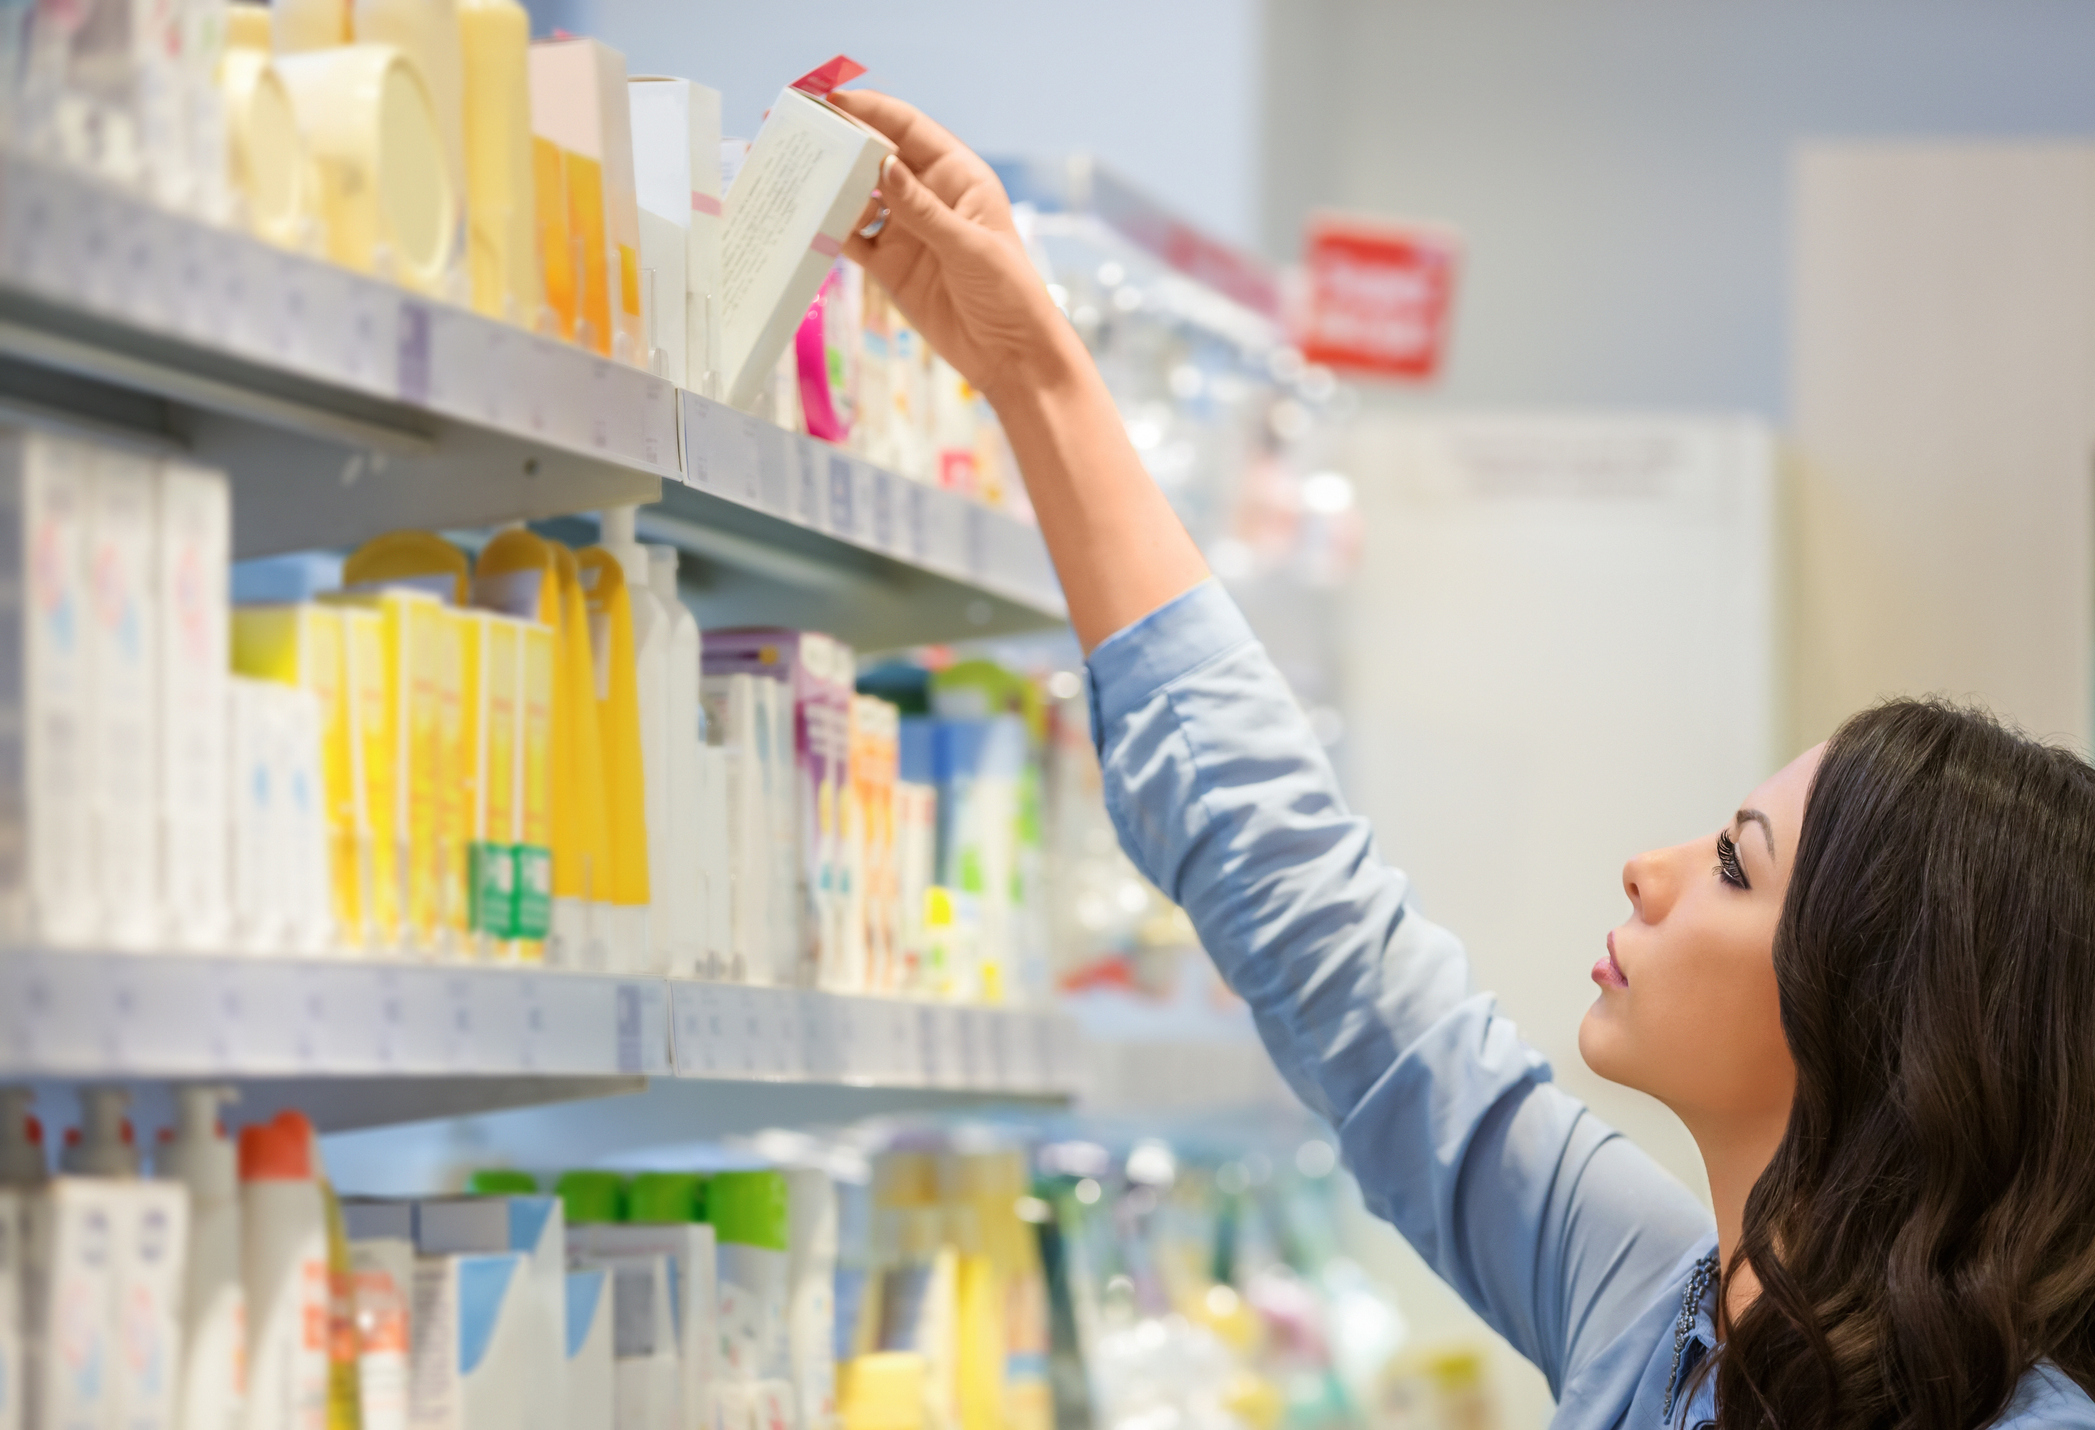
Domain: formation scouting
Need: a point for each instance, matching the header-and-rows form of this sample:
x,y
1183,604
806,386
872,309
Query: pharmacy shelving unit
x,y
343,406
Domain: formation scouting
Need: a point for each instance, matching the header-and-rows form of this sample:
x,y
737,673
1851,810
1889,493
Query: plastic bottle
x,y
749,1213
687,893
103,1145
653,634
283,1263
22,1160
623,906
197,1153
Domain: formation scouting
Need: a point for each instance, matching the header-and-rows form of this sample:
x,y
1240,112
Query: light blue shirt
x,y
1562,1235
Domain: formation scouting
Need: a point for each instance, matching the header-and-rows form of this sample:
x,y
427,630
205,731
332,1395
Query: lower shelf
x,y
483,1038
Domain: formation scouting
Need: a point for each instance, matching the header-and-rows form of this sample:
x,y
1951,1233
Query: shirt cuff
x,y
1137,661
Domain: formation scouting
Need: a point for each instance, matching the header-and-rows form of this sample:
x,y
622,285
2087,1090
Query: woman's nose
x,y
1643,879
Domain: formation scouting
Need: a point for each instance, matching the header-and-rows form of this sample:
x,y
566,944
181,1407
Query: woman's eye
x,y
1728,867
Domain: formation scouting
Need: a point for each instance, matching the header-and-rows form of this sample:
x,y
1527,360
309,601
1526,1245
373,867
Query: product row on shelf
x,y
896,1277
434,145
526,754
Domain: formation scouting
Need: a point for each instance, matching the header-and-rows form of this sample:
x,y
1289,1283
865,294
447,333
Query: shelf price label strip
x,y
71,241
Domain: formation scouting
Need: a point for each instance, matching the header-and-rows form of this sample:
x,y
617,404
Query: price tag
x,y
702,440
602,404
411,349
773,489
530,1020
144,248
843,505
630,1023
975,539
808,497
788,1050
740,475
656,432
97,276
880,506
993,1059
933,1058
916,527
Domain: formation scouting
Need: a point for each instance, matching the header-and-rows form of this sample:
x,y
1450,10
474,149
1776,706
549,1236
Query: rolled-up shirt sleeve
x,y
1554,1227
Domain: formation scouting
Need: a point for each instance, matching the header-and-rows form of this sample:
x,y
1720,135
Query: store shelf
x,y
342,405
364,1043
820,538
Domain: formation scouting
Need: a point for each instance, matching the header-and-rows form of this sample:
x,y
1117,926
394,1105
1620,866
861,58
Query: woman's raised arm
x,y
953,261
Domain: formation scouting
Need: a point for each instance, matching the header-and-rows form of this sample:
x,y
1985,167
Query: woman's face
x,y
1687,1009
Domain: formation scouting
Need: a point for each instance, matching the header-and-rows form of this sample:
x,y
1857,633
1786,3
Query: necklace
x,y
1690,1302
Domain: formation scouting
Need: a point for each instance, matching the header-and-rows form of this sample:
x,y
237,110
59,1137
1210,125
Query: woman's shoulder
x,y
2048,1397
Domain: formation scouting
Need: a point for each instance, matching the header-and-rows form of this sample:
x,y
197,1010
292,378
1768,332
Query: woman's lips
x,y
1606,971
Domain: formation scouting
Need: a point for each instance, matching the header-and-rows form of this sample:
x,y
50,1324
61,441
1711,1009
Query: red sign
x,y
1377,295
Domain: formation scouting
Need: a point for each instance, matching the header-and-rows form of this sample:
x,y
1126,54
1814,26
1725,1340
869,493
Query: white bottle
x,y
651,641
283,1265
199,1155
687,893
103,1144
22,1160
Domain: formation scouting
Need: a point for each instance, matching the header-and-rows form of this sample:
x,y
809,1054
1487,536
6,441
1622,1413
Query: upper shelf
x,y
343,406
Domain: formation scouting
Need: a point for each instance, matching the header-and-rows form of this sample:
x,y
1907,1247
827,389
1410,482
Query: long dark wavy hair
x,y
1926,1231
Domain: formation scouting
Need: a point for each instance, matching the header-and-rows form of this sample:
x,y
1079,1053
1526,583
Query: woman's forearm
x,y
1119,549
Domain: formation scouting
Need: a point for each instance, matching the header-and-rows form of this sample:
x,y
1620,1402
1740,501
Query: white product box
x,y
11,1367
811,1307
68,1296
676,164
591,1379
301,819
260,900
47,891
536,1228
647,1392
469,1369
151,1244
694,1300
122,637
383,1269
807,179
193,536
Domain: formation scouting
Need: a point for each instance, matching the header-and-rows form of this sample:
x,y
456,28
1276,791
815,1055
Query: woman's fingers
x,y
911,204
918,139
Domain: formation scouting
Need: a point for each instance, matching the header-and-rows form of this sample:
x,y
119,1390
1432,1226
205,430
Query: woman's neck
x,y
1734,1154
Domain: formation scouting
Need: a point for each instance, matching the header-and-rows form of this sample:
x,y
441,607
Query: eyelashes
x,y
1728,867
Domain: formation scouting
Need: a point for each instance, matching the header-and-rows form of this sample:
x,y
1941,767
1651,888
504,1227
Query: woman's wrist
x,y
1054,361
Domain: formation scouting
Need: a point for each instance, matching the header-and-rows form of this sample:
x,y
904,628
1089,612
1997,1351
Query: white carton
x,y
647,1391
68,1295
383,1269
260,898
122,638
807,179
151,1253
193,540
468,1368
536,1228
676,166
591,1380
301,819
47,893
11,1386
694,1296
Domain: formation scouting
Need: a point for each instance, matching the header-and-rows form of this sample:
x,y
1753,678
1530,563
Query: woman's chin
x,y
1600,1041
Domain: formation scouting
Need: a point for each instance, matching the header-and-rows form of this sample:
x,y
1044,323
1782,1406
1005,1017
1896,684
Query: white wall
x,y
1622,167
1166,91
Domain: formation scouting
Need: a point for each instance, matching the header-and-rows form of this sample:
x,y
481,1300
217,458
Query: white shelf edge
x,y
91,1015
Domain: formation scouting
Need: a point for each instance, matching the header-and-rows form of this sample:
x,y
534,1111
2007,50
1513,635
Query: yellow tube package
x,y
616,688
403,756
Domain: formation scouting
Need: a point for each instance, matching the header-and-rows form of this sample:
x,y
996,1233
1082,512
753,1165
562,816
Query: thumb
x,y
924,214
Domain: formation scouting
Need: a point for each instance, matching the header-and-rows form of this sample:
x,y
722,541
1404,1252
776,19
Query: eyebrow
x,y
1767,830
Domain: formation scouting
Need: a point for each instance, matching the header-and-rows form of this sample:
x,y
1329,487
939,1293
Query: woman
x,y
1870,996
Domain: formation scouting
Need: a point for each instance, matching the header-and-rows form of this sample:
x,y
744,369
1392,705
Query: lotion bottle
x,y
283,1264
197,1153
103,1145
653,636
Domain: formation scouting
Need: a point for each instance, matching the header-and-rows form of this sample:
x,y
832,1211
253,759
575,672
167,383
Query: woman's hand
x,y
954,264
951,258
